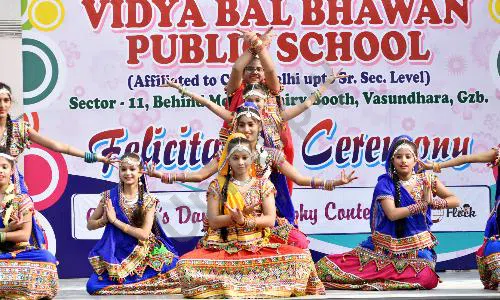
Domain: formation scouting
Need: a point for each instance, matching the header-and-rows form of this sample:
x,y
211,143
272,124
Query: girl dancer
x,y
267,163
399,253
17,135
134,256
236,258
488,256
27,269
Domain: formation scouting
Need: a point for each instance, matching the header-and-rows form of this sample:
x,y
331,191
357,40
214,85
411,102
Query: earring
x,y
394,173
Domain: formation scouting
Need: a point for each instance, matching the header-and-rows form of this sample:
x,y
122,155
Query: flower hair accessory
x,y
130,161
5,91
7,156
248,109
254,93
406,146
239,147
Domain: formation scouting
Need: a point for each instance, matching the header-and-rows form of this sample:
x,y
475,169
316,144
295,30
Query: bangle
x,y
244,222
90,157
317,185
256,47
417,208
329,185
438,203
183,90
113,222
436,167
184,177
250,222
317,94
127,227
2,237
258,42
165,178
168,178
278,91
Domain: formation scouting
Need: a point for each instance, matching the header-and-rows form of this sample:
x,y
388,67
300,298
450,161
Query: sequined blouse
x,y
20,137
240,238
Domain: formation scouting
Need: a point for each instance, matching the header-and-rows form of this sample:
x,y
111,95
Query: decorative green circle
x,y
31,70
24,6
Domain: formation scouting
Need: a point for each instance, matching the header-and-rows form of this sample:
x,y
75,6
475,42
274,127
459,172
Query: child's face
x,y
250,127
130,173
5,171
404,162
253,72
240,163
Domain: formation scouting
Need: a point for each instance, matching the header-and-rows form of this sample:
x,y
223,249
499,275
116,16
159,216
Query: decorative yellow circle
x,y
494,8
46,15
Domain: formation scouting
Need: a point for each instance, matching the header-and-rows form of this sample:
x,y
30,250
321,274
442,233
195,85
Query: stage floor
x,y
456,285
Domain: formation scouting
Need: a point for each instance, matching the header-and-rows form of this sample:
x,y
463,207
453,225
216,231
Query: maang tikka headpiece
x,y
130,161
406,145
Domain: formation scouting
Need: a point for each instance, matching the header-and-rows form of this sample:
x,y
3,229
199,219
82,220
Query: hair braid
x,y
223,200
10,126
400,224
138,217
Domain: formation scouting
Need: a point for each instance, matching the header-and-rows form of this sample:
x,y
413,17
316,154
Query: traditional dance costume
x,y
246,264
26,269
385,261
488,256
125,265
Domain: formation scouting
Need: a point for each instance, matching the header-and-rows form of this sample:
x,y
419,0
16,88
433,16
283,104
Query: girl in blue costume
x,y
17,135
488,256
27,269
134,256
268,163
399,253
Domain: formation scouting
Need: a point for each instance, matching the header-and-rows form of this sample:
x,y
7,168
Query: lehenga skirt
x,y
30,274
286,233
488,263
150,283
363,269
283,272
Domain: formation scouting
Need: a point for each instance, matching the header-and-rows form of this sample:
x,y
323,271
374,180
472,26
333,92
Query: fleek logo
x,y
465,211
